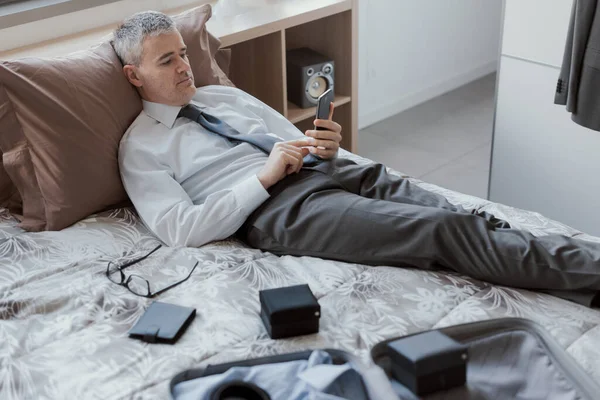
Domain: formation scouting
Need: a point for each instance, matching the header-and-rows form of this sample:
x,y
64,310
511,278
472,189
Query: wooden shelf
x,y
253,22
297,114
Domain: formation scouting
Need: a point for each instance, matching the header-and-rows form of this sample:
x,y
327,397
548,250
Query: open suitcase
x,y
508,358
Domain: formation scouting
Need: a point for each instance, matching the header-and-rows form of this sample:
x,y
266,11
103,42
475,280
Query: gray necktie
x,y
262,141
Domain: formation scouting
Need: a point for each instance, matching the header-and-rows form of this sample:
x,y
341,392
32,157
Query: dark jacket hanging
x,y
578,85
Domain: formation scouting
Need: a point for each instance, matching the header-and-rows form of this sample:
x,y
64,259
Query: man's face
x,y
164,74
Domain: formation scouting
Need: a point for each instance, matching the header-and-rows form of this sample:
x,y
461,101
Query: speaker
x,y
309,75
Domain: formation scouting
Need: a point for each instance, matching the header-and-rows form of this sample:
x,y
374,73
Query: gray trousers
x,y
343,211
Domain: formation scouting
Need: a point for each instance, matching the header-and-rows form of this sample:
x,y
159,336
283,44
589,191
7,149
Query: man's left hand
x,y
325,143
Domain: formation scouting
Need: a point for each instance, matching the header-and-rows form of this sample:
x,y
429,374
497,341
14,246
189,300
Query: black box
x,y
289,311
428,362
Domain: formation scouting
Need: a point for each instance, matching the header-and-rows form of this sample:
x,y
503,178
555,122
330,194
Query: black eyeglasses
x,y
135,283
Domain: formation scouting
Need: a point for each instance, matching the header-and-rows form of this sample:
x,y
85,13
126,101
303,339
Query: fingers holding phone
x,y
327,133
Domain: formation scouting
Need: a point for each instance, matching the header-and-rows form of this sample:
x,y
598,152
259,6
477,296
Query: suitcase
x,y
508,358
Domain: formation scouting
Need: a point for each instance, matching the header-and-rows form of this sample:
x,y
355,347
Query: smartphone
x,y
323,106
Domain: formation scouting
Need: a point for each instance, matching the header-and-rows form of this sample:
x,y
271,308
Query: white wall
x,y
541,159
413,50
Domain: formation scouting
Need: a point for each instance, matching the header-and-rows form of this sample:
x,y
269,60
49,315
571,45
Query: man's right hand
x,y
285,158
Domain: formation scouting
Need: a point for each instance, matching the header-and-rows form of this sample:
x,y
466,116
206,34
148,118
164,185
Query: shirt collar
x,y
163,113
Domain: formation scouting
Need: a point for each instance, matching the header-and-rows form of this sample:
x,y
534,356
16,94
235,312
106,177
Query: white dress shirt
x,y
191,186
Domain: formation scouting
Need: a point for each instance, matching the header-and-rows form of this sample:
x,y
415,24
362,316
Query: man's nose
x,y
182,66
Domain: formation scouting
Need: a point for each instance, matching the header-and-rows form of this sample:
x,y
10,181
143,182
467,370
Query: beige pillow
x,y
61,121
209,64
61,140
9,195
202,47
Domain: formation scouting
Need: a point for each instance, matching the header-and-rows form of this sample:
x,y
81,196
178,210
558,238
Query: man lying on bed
x,y
192,185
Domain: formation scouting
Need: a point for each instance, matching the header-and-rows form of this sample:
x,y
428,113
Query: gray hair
x,y
128,38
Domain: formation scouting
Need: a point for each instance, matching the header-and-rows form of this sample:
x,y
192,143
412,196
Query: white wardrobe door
x,y
536,29
541,160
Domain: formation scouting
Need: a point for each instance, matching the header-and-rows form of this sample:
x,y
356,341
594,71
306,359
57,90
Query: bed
x,y
64,324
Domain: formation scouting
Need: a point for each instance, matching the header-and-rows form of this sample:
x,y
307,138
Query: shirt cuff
x,y
250,194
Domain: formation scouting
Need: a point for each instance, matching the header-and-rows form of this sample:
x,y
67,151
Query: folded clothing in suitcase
x,y
508,358
293,380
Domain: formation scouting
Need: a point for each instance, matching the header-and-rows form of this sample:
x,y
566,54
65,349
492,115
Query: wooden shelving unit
x,y
260,36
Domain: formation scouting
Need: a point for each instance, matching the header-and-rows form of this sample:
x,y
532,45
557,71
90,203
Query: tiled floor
x,y
445,141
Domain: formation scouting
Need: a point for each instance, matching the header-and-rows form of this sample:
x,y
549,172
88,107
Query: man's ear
x,y
132,75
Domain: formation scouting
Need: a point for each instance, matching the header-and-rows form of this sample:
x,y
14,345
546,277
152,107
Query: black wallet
x,y
162,322
289,311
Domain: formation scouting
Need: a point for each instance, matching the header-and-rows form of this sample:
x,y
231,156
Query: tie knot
x,y
190,111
